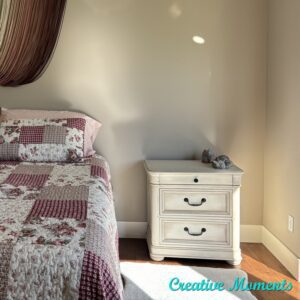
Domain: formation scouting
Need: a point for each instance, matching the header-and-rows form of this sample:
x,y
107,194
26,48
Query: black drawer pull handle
x,y
203,230
203,200
196,180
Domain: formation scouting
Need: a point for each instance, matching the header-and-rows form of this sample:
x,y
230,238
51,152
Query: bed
x,y
58,231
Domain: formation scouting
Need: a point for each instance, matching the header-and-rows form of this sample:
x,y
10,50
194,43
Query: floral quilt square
x,y
9,134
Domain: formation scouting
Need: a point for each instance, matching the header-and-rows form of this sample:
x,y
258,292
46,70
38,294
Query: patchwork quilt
x,y
58,232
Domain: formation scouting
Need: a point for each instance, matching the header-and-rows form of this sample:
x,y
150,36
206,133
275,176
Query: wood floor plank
x,y
258,262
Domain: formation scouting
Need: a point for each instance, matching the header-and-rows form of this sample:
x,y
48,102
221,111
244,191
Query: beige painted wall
x,y
282,157
132,64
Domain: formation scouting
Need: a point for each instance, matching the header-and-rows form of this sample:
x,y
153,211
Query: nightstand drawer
x,y
196,179
189,233
204,201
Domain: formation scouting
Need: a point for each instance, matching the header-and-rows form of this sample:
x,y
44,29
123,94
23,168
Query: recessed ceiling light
x,y
198,39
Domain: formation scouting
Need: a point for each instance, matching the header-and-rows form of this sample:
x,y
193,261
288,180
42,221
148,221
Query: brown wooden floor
x,y
258,262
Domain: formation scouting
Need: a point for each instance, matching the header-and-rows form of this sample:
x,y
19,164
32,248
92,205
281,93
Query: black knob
x,y
196,180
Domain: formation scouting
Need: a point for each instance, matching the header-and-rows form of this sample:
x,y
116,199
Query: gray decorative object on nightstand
x,y
207,156
222,162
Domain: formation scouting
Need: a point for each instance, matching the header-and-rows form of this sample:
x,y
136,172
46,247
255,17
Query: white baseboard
x,y
249,234
281,252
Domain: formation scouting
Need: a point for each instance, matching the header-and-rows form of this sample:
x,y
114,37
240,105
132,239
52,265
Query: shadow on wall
x,y
162,139
147,139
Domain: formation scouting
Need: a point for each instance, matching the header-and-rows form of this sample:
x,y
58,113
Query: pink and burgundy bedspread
x,y
58,232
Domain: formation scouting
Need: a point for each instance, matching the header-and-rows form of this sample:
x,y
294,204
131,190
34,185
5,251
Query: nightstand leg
x,y
156,257
234,262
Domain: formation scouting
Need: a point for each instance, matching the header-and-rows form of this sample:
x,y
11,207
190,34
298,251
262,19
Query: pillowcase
x,y
42,139
91,127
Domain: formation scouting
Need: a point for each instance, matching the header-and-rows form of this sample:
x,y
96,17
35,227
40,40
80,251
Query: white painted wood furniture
x,y
193,210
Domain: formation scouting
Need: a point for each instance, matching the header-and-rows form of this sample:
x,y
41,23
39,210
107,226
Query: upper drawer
x,y
196,179
176,201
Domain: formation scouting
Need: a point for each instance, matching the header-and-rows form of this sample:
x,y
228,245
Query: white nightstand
x,y
193,210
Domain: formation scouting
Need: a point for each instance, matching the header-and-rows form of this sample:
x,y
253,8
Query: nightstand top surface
x,y
186,166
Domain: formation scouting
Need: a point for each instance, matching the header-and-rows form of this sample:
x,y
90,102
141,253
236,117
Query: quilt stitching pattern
x,y
67,192
76,123
95,270
5,256
32,181
97,171
31,134
9,151
54,135
60,209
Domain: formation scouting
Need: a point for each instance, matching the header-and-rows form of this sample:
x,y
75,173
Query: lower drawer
x,y
187,233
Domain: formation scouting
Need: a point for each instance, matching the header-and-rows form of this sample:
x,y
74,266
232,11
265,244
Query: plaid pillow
x,y
42,139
